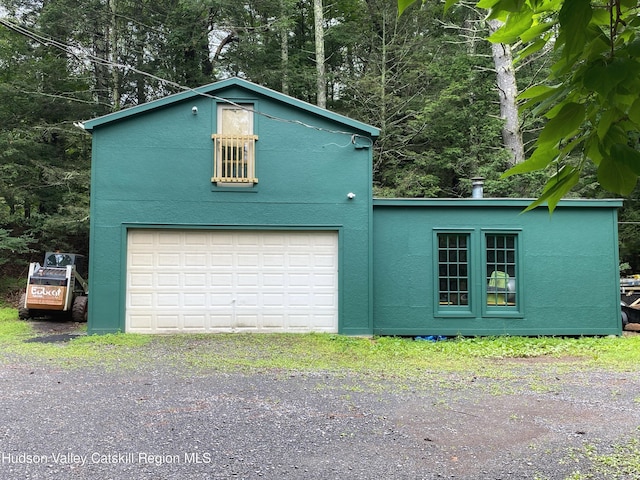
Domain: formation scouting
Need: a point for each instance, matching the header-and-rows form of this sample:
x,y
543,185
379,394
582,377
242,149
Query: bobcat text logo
x,y
44,292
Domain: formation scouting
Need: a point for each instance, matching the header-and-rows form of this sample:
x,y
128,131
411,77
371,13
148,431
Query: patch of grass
x,y
620,461
106,350
12,330
127,340
119,351
318,352
461,359
398,357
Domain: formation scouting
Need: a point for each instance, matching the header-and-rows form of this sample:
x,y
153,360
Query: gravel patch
x,y
155,423
60,337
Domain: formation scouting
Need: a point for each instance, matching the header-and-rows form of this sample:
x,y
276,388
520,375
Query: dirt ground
x,y
547,420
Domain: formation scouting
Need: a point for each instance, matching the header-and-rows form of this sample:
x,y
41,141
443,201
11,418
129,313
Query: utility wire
x,y
79,52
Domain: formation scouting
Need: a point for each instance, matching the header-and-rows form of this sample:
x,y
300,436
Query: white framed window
x,y
234,162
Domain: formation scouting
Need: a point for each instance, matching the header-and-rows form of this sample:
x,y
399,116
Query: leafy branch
x,y
591,98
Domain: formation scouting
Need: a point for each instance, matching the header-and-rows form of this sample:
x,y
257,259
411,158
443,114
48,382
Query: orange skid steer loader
x,y
58,287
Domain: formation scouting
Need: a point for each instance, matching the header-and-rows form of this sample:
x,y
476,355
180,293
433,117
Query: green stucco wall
x,y
154,170
568,267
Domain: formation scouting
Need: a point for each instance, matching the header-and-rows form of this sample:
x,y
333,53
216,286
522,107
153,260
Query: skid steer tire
x,y
23,312
79,309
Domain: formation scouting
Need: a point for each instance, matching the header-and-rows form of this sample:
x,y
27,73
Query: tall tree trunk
x,y
383,74
321,82
284,59
138,41
507,92
101,71
115,74
284,46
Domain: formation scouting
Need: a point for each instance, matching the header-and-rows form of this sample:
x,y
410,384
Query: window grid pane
x,y
501,270
453,279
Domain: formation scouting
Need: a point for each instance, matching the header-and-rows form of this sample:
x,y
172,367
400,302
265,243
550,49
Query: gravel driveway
x,y
160,423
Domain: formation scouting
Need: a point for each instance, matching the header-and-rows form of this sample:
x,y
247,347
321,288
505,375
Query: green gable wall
x,y
153,167
568,267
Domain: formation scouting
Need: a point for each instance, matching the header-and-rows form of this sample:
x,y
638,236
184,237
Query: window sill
x,y
234,187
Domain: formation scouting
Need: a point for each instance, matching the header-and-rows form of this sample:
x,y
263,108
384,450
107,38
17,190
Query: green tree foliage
x,y
591,97
63,61
12,246
431,89
67,60
593,107
44,160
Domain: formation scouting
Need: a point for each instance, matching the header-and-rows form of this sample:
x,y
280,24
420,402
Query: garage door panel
x,y
141,323
275,280
247,260
141,300
273,260
276,239
143,237
195,300
195,279
320,280
172,238
221,299
140,279
221,321
324,260
300,280
324,322
248,279
273,299
222,238
168,260
300,299
326,300
246,299
247,321
141,259
219,281
275,322
169,322
221,260
196,259
194,322
168,300
298,320
197,239
168,280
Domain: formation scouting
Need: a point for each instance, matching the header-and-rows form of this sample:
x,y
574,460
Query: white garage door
x,y
231,281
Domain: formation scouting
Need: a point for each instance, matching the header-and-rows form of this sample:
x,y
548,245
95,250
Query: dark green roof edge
x,y
491,202
212,88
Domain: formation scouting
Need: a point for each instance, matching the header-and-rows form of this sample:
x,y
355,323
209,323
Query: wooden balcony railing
x,y
234,159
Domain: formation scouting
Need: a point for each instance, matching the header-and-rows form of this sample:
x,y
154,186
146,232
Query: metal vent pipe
x,y
477,187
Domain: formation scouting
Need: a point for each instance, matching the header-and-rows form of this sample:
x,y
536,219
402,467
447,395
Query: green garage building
x,y
235,208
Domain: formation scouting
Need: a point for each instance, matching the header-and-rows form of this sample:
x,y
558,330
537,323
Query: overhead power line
x,y
79,53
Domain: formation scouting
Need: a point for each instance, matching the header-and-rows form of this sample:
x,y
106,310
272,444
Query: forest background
x,y
433,84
